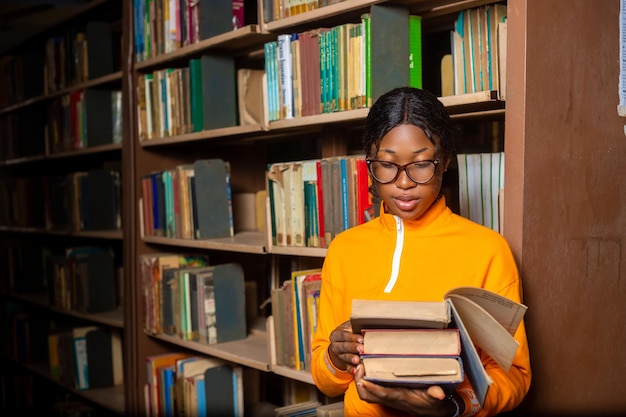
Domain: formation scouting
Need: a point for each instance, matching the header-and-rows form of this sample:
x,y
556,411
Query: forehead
x,y
406,137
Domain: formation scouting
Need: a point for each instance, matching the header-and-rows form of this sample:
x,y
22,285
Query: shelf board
x,y
19,229
354,8
251,351
111,398
298,251
246,242
318,16
114,77
85,151
100,234
241,39
113,318
23,160
221,133
291,373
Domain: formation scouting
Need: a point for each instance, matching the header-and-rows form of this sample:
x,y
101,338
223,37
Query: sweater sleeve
x,y
332,312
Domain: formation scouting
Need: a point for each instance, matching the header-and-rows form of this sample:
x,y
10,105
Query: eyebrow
x,y
416,152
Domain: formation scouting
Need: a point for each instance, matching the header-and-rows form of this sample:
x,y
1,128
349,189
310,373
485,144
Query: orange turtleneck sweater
x,y
418,260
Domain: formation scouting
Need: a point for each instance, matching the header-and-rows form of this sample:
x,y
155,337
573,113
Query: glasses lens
x,y
383,171
422,171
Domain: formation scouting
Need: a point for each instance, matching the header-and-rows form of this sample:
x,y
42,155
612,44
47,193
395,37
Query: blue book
x,y
344,194
200,394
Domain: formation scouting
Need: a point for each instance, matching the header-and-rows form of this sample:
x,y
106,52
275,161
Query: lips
x,y
405,204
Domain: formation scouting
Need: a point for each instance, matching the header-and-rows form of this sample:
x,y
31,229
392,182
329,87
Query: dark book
x,y
100,60
219,89
100,358
102,193
98,110
211,191
228,285
215,17
95,281
389,48
219,391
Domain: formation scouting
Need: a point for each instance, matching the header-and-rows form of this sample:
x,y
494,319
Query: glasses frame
x,y
400,168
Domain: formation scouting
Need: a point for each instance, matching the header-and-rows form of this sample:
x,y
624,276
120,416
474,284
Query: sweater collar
x,y
431,215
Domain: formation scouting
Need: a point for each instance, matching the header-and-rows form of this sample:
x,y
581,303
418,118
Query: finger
x,y
436,391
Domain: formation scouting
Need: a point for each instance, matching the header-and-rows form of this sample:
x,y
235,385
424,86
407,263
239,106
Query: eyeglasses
x,y
385,172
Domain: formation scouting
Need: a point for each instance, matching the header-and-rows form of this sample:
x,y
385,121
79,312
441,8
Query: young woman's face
x,y
404,197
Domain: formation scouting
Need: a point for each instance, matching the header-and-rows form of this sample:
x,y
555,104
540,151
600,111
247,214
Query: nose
x,y
403,181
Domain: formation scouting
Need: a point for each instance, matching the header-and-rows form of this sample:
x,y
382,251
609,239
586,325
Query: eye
x,y
422,164
387,165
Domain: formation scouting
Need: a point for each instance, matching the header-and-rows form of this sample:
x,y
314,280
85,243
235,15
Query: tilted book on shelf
x,y
483,318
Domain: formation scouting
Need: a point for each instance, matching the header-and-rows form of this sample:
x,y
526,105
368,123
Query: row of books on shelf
x,y
280,9
77,120
185,384
191,201
84,118
86,200
341,68
186,297
294,311
162,27
83,279
79,201
478,45
79,54
176,101
314,200
481,188
86,357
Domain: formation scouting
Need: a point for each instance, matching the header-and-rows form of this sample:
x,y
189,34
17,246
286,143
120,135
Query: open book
x,y
483,318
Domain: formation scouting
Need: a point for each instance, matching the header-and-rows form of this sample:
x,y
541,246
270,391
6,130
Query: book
x,y
212,193
413,357
483,318
220,393
414,371
104,358
422,342
219,91
389,25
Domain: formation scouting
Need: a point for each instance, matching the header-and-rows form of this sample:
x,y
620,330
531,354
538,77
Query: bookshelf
x,y
49,139
552,173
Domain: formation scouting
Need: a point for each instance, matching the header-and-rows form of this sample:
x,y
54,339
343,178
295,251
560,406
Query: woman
x,y
416,249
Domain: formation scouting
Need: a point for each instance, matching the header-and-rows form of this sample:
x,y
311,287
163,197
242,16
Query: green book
x,y
415,51
195,93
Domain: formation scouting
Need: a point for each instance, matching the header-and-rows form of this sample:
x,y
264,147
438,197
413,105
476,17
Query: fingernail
x,y
360,340
359,349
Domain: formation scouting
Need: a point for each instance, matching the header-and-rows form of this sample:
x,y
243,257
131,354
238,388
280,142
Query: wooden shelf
x,y
236,42
111,398
85,151
245,242
225,133
115,77
291,373
251,351
114,318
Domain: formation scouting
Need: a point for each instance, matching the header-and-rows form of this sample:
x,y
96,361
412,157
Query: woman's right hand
x,y
345,348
